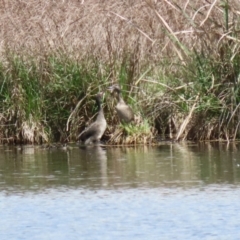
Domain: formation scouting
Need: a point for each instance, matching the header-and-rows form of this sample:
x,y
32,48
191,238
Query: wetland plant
x,y
177,63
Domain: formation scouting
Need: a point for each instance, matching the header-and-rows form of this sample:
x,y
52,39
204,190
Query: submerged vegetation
x,y
178,63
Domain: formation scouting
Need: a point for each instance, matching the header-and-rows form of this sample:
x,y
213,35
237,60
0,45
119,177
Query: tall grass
x,y
177,62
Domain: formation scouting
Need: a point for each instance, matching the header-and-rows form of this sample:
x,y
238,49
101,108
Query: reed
x,y
177,62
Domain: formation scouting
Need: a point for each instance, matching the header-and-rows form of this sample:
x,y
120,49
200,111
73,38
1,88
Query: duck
x,y
124,111
94,132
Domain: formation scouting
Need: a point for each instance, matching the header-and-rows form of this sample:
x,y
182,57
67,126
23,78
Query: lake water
x,y
172,191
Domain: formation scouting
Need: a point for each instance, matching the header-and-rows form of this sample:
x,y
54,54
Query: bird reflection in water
x,y
97,152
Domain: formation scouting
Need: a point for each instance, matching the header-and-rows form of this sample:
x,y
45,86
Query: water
x,y
172,191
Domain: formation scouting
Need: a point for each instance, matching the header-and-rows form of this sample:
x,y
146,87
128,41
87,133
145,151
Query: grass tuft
x,y
133,133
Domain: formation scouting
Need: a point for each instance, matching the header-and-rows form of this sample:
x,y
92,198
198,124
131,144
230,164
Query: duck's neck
x,y
100,110
119,97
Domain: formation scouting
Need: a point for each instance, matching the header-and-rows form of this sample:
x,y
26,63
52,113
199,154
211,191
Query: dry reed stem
x,y
209,12
186,121
166,86
74,112
80,28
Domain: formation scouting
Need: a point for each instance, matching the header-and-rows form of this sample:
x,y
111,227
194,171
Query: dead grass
x,y
163,46
108,28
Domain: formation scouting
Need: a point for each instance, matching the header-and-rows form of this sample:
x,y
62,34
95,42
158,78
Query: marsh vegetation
x,y
176,61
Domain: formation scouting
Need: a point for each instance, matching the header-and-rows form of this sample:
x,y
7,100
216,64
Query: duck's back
x,y
124,112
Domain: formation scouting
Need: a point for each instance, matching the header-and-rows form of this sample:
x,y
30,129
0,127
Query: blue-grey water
x,y
171,191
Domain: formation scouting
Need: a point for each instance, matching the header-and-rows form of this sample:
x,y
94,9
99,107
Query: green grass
x,y
138,132
54,102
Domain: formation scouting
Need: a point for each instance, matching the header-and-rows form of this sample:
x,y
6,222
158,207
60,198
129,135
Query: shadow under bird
x,y
94,132
124,111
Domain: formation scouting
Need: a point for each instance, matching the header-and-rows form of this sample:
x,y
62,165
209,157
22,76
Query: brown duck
x,y
125,113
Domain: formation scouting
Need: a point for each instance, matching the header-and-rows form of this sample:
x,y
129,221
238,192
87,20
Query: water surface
x,y
171,191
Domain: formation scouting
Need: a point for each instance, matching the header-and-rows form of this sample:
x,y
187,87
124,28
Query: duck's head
x,y
99,97
114,89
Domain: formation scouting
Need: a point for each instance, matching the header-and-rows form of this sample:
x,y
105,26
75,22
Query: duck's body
x,y
95,131
124,111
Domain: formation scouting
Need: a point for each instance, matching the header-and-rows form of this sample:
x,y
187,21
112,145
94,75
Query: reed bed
x,y
177,62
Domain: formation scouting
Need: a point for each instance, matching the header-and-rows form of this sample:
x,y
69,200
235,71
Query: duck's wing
x,y
125,112
90,131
